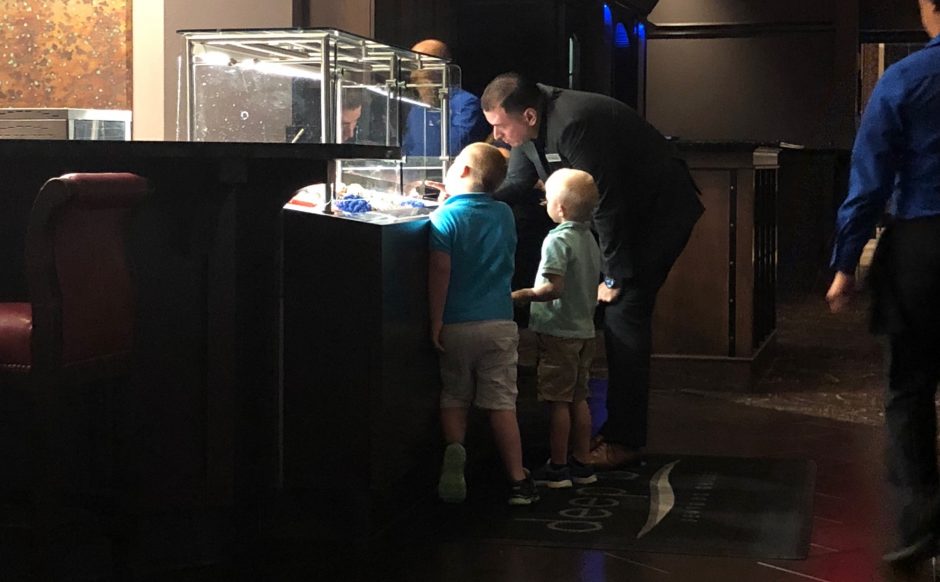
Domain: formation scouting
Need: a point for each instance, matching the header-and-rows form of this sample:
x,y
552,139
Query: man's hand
x,y
840,292
607,295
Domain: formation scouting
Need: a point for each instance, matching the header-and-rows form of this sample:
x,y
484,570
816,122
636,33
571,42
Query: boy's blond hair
x,y
576,190
487,165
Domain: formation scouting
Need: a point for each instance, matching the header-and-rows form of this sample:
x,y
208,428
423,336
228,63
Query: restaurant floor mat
x,y
715,506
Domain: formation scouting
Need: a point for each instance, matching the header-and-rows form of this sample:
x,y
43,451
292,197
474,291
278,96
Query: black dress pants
x,y
911,425
905,280
628,338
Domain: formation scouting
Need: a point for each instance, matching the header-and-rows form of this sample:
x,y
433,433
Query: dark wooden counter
x,y
715,317
202,414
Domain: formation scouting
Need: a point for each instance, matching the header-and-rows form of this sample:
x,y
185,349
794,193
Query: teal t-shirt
x,y
569,250
479,234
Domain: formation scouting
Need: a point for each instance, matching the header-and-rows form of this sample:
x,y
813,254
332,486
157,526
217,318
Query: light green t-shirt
x,y
571,251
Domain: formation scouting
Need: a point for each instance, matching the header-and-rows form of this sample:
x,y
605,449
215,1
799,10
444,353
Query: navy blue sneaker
x,y
553,477
524,492
581,473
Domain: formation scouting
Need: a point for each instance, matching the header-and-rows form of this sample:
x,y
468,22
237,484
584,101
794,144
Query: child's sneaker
x,y
524,491
452,487
557,477
581,473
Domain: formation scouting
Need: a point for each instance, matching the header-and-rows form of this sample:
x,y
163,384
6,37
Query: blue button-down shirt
x,y
423,126
896,154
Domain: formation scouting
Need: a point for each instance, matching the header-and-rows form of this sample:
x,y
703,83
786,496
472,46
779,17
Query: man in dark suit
x,y
648,207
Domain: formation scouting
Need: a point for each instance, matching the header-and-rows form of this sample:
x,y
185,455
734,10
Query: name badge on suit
x,y
554,162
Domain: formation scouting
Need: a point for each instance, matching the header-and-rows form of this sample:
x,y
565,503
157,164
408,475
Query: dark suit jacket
x,y
647,197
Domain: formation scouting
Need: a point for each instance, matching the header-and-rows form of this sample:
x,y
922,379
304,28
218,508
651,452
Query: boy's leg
x,y
506,434
508,442
582,472
456,394
454,424
581,430
496,393
564,368
560,431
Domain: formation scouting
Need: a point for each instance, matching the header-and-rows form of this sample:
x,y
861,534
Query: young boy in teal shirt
x,y
472,242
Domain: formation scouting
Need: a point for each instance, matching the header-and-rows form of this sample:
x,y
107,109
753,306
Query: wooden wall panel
x,y
743,306
691,314
741,11
734,70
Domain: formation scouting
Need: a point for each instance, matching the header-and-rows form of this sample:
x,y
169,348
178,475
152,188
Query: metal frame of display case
x,y
319,49
331,57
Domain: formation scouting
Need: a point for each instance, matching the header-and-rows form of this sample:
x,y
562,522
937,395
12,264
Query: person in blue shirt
x,y
472,240
423,124
896,157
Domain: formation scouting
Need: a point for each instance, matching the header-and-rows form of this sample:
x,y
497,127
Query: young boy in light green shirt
x,y
563,298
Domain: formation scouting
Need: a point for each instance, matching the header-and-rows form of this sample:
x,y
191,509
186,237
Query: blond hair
x,y
487,165
577,192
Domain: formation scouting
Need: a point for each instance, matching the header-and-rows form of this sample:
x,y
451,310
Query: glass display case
x,y
377,191
305,85
325,86
65,123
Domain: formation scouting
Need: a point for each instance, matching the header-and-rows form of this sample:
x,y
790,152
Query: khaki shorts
x,y
564,368
479,364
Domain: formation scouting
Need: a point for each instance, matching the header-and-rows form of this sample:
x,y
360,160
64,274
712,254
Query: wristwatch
x,y
610,282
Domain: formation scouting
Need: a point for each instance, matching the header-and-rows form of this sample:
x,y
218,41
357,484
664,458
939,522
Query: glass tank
x,y
377,191
268,86
325,86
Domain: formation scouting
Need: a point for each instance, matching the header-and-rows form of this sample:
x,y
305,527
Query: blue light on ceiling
x,y
608,17
621,39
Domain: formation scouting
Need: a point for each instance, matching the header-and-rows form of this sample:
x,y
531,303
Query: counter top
x,y
34,148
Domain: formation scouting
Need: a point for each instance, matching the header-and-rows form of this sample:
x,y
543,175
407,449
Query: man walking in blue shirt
x,y
897,157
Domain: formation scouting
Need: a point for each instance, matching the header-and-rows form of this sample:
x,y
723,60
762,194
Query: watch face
x,y
610,282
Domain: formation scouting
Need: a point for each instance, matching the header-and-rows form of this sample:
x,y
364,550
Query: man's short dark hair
x,y
352,99
936,5
513,92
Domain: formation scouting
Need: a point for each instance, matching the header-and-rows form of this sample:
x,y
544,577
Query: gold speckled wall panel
x,y
65,53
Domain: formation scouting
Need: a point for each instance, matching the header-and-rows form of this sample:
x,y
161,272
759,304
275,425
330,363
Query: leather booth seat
x,y
16,330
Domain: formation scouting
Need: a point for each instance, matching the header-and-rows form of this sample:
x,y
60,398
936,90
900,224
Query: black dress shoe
x,y
910,556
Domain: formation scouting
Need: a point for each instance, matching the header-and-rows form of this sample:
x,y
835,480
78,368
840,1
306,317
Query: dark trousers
x,y
628,339
905,280
911,425
628,334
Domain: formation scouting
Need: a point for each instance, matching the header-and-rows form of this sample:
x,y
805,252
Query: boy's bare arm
x,y
438,282
545,292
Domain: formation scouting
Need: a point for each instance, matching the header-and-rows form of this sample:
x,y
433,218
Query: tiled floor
x,y
848,522
819,400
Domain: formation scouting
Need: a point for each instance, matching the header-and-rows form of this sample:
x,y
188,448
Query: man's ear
x,y
531,116
465,171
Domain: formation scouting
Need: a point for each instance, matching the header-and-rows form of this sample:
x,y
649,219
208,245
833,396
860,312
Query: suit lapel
x,y
538,160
